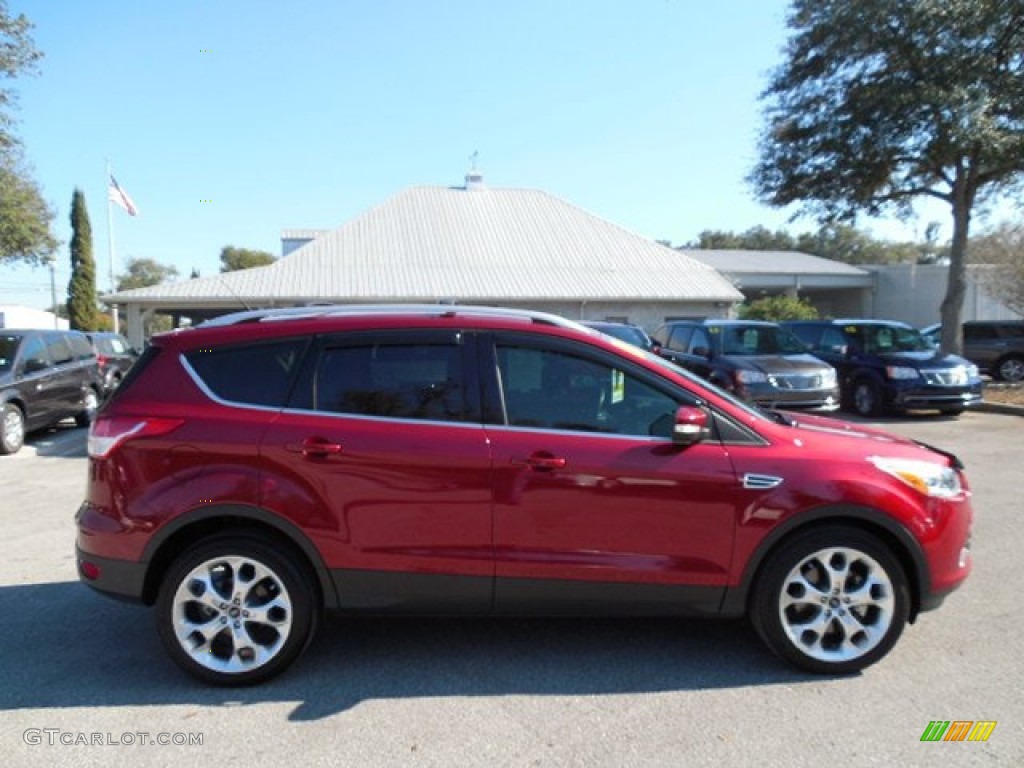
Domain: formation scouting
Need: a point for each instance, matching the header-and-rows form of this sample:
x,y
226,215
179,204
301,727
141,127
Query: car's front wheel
x,y
832,600
12,428
866,399
1011,369
235,610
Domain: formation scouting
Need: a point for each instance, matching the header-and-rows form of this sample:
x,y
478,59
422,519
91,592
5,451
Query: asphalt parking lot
x,y
444,692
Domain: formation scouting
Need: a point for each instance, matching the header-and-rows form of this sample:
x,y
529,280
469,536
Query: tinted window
x,y
880,339
257,374
400,380
680,337
757,340
700,342
34,351
8,349
80,347
58,348
552,390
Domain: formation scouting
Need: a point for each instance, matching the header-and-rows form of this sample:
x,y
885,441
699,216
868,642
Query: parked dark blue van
x,y
885,365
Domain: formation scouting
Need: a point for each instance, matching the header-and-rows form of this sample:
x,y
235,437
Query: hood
x,y
802,363
929,358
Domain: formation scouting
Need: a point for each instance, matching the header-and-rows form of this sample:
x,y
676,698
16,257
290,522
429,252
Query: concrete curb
x,y
1004,408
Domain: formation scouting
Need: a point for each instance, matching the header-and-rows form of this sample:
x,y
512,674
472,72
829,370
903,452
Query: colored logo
x,y
958,730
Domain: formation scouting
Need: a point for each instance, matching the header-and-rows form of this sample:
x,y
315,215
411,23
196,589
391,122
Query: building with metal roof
x,y
472,245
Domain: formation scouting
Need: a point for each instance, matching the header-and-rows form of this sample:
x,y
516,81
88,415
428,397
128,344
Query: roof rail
x,y
340,310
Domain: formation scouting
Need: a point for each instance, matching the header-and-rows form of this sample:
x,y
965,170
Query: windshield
x,y
8,349
879,339
628,333
757,340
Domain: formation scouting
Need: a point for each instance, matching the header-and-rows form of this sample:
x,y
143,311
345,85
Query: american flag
x,y
119,196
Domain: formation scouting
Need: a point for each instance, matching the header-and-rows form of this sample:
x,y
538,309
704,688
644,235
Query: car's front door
x,y
594,506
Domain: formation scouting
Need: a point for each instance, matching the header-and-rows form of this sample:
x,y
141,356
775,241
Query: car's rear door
x,y
383,439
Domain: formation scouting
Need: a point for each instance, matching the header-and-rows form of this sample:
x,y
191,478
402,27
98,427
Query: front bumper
x,y
933,397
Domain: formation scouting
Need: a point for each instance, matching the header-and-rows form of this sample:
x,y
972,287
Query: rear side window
x,y
254,374
58,349
394,380
80,347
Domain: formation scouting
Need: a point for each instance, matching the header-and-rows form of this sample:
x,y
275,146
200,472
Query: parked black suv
x,y
885,365
761,362
115,357
996,347
45,376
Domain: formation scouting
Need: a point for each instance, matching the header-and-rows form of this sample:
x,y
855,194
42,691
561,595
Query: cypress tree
x,y
83,313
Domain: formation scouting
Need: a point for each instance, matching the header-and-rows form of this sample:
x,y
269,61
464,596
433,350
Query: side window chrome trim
x,y
389,419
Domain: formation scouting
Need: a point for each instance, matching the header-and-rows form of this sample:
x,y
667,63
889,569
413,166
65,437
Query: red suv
x,y
253,471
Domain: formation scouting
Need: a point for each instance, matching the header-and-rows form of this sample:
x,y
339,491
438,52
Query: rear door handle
x,y
541,461
317,447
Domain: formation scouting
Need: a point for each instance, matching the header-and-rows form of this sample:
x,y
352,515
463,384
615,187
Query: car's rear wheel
x,y
235,610
90,404
12,428
1011,369
865,398
832,600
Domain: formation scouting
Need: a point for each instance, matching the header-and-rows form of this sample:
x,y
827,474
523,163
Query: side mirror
x,y
34,365
702,352
691,425
655,348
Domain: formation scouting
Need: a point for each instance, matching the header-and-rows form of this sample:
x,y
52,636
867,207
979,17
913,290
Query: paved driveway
x,y
456,692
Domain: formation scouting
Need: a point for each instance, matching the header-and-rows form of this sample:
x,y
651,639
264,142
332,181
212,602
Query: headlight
x,y
972,372
901,372
751,377
924,476
828,379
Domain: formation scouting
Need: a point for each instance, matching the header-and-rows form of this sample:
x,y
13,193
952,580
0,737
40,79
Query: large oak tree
x,y
24,216
879,103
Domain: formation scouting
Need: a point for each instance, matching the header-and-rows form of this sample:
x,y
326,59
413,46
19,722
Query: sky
x,y
227,121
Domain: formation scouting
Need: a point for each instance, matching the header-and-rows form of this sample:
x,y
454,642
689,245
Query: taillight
x,y
101,360
107,433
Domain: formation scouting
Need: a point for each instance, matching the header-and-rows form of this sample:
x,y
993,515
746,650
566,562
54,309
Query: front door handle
x,y
542,461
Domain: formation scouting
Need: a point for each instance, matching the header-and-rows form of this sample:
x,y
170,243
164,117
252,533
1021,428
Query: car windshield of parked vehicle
x,y
8,349
627,333
879,339
756,340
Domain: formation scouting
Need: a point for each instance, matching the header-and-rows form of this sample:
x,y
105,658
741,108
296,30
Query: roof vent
x,y
474,179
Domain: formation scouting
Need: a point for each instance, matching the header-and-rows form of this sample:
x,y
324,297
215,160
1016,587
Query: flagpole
x,y
110,243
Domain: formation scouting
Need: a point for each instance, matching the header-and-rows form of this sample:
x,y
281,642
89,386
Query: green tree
x,y
879,103
778,308
233,259
83,312
142,273
24,216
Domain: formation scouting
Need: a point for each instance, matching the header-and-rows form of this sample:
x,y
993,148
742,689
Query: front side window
x,y
393,380
549,389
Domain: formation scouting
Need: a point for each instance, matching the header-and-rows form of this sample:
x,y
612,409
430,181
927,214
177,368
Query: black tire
x,y
865,398
865,592
12,429
209,601
1010,369
90,404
